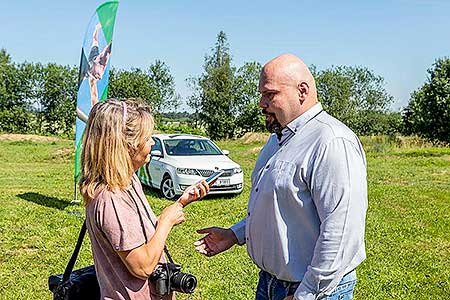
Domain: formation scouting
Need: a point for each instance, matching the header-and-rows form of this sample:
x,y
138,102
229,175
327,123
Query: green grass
x,y
407,234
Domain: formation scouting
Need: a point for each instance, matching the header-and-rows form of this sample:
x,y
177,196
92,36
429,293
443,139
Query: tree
x,y
356,96
57,98
246,108
194,101
15,92
32,82
164,96
156,86
428,112
10,87
214,99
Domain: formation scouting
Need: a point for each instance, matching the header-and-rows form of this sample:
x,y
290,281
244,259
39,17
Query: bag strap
x,y
72,260
166,251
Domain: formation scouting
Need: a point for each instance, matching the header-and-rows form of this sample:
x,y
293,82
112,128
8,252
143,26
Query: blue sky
x,y
398,40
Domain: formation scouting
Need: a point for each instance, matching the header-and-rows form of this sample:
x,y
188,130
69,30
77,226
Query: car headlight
x,y
237,170
187,171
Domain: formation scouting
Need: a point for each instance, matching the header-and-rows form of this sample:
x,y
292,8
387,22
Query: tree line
x,y
38,98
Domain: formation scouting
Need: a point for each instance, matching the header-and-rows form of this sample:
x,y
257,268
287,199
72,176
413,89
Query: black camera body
x,y
168,277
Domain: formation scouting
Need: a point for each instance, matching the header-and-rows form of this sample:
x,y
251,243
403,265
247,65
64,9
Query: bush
x,y
377,123
17,120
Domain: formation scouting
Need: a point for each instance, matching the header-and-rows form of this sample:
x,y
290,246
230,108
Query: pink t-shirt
x,y
113,224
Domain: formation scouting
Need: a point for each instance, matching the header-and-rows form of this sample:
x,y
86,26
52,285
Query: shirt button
x,y
256,190
267,166
248,214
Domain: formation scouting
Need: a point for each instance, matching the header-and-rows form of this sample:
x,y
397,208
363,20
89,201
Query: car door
x,y
156,164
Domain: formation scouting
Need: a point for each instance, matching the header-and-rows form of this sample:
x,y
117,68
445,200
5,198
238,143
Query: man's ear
x,y
303,91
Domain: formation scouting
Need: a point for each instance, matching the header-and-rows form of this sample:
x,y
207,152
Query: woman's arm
x,y
142,261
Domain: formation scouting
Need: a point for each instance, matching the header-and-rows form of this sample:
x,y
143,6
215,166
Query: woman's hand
x,y
172,215
194,193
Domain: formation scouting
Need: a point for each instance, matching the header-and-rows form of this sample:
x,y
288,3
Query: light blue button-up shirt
x,y
306,213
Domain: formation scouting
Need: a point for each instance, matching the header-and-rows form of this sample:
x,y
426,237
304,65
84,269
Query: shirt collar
x,y
296,124
286,134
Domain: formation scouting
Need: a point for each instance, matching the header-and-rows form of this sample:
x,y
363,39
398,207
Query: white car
x,y
180,160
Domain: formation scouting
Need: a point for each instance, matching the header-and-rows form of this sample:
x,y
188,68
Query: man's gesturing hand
x,y
215,241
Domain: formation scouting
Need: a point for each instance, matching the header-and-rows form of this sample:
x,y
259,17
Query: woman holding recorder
x,y
126,245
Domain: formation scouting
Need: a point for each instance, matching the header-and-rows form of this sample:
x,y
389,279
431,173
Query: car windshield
x,y
189,147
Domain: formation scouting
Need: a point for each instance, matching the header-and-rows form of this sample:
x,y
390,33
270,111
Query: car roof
x,y
177,136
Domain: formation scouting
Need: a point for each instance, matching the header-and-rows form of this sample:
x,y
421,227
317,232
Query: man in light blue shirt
x,y
306,214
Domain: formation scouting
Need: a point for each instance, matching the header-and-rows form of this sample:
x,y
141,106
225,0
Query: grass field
x,y
407,236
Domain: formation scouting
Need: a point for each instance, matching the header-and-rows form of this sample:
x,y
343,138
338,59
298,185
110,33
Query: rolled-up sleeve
x,y
339,191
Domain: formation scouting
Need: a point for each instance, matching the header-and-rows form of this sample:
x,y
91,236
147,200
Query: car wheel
x,y
167,188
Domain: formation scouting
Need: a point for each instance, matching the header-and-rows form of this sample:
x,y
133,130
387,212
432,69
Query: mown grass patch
x,y
407,240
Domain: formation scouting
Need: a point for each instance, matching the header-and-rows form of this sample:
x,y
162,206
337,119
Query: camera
x,y
168,277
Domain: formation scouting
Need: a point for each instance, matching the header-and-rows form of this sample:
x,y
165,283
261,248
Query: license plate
x,y
222,182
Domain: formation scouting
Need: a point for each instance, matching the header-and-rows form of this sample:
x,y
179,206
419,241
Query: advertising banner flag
x,y
94,69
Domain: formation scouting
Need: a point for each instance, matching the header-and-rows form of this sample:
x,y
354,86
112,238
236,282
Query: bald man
x,y
306,214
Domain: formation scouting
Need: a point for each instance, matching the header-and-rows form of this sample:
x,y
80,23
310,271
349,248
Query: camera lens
x,y
185,283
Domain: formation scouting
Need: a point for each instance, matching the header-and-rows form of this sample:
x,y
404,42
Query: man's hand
x,y
291,297
215,241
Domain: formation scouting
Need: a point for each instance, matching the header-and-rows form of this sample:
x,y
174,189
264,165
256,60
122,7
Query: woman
x,y
126,245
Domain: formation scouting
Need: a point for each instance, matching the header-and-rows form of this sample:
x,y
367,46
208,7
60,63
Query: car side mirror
x,y
225,152
156,153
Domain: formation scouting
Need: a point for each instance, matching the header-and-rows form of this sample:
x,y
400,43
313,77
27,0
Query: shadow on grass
x,y
44,200
220,196
148,191
422,153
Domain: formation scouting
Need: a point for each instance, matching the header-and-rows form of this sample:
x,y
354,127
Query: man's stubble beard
x,y
272,124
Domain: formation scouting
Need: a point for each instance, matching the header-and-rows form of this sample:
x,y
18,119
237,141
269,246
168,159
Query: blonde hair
x,y
114,132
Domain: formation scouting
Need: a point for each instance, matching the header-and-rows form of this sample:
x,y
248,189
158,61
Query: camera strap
x,y
166,251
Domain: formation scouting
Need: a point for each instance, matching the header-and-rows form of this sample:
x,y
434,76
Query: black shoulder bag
x,y
79,284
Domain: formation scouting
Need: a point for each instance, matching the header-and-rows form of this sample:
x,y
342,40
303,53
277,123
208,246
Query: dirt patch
x,y
28,137
28,248
255,150
251,137
64,153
